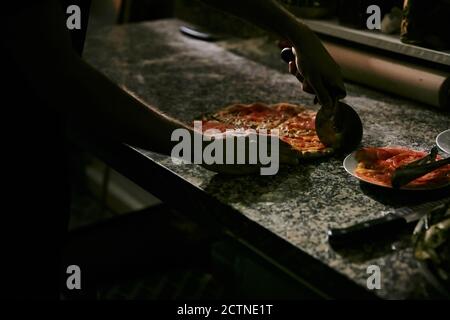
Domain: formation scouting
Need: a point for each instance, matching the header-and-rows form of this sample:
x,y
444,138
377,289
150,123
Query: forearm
x,y
267,14
38,42
102,103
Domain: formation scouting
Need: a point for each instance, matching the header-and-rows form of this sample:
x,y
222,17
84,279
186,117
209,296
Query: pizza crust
x,y
296,124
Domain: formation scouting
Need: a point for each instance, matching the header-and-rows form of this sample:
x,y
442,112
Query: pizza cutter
x,y
339,127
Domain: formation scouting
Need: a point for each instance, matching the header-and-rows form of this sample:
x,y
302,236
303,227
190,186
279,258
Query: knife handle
x,y
366,231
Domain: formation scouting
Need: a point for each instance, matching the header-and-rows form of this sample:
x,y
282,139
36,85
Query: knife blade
x,y
394,220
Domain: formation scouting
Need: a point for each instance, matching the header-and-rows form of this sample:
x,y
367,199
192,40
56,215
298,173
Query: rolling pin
x,y
424,84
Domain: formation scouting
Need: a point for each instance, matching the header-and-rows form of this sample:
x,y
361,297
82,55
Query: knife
x,y
394,221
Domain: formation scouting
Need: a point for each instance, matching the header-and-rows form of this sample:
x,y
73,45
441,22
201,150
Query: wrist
x,y
299,34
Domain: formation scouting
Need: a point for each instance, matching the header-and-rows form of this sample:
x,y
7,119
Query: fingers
x,y
335,88
307,87
340,89
335,83
294,71
284,44
325,82
305,84
322,92
285,155
292,68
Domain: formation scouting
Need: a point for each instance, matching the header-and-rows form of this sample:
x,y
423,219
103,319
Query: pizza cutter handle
x,y
288,56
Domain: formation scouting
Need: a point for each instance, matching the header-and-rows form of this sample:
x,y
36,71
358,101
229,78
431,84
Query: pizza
x,y
377,166
295,123
214,124
257,115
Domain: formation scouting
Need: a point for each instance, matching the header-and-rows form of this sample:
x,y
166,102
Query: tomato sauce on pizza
x,y
295,123
377,165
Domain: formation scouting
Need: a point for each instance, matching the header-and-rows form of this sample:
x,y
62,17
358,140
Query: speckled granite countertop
x,y
186,77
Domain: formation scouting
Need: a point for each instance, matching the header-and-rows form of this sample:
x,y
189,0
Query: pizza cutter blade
x,y
340,128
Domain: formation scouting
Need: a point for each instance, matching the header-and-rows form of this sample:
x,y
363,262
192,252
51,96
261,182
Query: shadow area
x,y
386,244
381,244
402,198
254,188
131,246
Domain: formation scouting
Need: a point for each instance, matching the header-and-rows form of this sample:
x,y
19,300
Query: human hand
x,y
311,63
250,153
